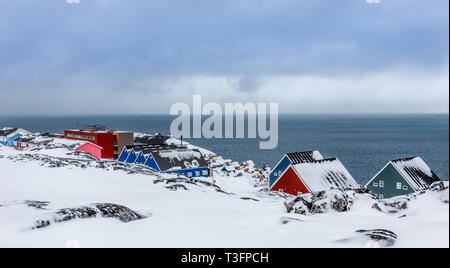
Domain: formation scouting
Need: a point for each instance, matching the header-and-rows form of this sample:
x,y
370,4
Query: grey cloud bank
x,y
310,56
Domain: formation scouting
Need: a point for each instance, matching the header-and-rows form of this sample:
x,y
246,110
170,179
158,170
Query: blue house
x,y
9,135
190,163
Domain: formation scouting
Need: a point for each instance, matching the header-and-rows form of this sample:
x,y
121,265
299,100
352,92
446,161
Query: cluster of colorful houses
x,y
150,150
307,172
296,173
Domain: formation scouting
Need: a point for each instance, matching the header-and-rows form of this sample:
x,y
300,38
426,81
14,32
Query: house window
x,y
405,188
399,185
189,174
197,173
381,196
381,184
205,172
375,184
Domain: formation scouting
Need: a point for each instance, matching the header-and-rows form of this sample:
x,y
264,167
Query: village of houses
x,y
296,173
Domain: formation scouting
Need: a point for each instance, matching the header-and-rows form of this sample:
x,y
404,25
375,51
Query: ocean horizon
x,y
363,142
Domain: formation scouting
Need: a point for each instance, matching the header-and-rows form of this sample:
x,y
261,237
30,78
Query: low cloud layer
x,y
393,91
142,56
72,1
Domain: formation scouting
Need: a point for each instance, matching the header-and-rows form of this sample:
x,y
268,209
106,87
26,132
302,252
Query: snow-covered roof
x,y
325,174
416,172
151,140
147,149
183,158
303,157
7,132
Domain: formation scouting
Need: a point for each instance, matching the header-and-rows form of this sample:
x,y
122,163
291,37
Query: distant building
x,y
100,142
307,172
181,161
121,140
401,177
94,128
156,139
9,135
26,143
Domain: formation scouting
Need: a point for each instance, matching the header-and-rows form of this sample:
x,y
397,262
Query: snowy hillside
x,y
58,197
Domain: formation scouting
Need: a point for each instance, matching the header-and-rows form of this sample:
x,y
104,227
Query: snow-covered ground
x,y
232,213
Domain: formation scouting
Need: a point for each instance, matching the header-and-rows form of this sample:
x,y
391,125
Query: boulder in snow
x,y
105,210
321,202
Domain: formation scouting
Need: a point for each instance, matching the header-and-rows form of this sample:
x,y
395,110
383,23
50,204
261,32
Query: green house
x,y
401,177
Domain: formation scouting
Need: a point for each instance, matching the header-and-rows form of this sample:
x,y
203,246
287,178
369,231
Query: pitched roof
x,y
7,131
25,139
304,157
148,148
151,140
180,159
325,174
416,172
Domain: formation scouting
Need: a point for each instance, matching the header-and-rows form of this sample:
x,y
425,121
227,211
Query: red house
x,y
308,172
99,144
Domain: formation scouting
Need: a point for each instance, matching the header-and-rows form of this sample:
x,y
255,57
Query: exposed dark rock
x,y
384,238
362,191
42,224
392,206
122,213
176,187
398,204
373,238
249,198
439,186
105,210
286,220
321,202
75,213
37,204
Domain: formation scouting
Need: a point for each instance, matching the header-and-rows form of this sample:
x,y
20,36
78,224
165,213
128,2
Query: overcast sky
x,y
141,56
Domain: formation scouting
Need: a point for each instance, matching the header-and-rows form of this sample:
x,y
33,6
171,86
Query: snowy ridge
x,y
233,209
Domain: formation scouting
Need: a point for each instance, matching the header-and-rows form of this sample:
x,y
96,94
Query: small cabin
x,y
401,177
309,172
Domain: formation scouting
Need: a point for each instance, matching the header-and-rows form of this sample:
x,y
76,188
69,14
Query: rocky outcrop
x,y
440,190
343,200
181,182
37,204
322,202
106,210
250,198
372,238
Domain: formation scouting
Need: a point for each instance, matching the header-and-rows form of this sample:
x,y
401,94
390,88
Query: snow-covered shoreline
x,y
231,211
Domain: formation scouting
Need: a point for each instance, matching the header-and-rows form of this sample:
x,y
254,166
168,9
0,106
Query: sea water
x,y
363,143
